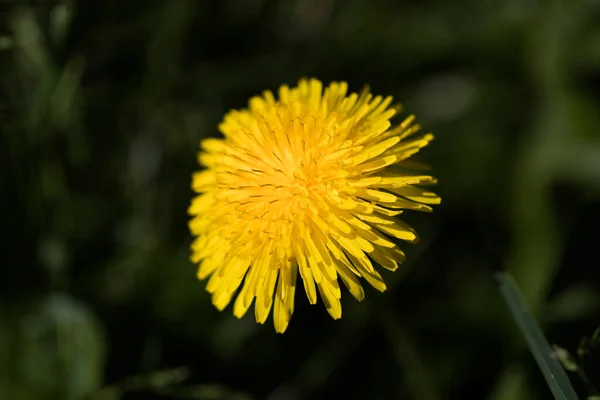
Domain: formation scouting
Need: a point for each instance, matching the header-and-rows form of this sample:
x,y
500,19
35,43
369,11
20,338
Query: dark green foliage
x,y
102,108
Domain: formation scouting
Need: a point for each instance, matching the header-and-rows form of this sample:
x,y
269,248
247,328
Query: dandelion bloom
x,y
312,182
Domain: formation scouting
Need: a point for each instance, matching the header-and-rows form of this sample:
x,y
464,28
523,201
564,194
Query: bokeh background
x,y
104,104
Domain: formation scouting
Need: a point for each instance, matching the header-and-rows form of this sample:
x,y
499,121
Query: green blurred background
x,y
102,109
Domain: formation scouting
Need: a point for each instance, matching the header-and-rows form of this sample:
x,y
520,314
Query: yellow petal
x,y
417,194
213,145
201,204
351,281
264,298
281,314
400,230
305,273
332,303
373,151
376,195
371,275
377,164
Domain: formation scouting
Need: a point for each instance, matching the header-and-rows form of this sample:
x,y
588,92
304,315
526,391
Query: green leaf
x,y
553,372
596,336
61,349
28,37
64,99
60,21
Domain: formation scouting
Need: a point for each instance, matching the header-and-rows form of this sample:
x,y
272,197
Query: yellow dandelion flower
x,y
312,182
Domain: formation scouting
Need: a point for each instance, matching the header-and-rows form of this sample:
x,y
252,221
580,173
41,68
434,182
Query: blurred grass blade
x,y
153,381
555,375
61,17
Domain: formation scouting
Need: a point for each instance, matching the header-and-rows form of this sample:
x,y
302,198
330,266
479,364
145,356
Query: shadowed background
x,y
104,104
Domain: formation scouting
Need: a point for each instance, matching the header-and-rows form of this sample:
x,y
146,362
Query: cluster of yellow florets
x,y
303,183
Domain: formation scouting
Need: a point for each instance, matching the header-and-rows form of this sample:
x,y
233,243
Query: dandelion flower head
x,y
309,183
